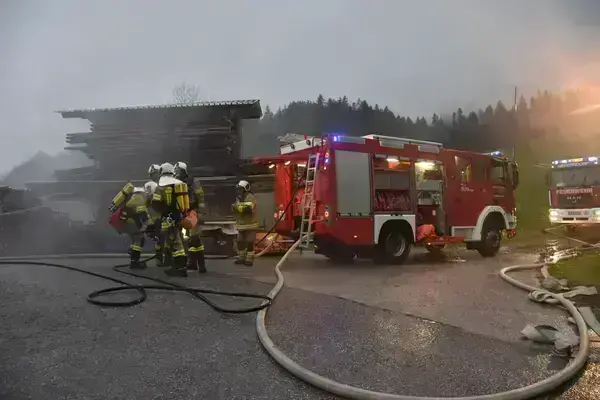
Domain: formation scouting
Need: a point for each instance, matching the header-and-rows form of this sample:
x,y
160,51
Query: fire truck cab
x,y
574,190
372,193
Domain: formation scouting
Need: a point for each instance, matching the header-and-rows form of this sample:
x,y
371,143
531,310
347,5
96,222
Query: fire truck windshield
x,y
572,177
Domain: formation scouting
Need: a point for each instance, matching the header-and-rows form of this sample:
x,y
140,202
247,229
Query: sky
x,y
417,57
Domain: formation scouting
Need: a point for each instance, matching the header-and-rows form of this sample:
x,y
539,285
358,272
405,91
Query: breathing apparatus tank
x,y
182,196
122,196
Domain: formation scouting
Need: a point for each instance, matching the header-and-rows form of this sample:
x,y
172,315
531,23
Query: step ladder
x,y
308,202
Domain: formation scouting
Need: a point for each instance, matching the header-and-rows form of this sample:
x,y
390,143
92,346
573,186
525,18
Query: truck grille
x,y
578,200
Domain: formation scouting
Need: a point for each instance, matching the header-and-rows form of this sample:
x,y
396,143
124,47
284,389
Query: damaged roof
x,y
247,109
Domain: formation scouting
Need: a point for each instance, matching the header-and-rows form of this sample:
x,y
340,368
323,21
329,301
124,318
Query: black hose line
x,y
142,289
165,285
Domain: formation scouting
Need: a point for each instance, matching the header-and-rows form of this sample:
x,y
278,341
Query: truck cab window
x,y
464,168
498,173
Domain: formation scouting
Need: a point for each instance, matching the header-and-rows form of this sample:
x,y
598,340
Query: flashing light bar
x,y
496,153
575,162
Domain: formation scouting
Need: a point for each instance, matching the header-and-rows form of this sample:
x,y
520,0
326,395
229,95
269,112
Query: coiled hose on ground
x,y
93,297
527,392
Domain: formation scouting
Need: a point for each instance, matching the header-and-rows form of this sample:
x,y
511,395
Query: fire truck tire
x,y
491,237
393,247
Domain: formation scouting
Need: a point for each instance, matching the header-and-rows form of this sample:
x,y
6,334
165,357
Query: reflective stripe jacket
x,y
197,198
246,215
135,208
171,198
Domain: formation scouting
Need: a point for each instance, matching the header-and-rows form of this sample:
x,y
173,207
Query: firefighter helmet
x,y
167,169
181,170
244,185
150,188
154,171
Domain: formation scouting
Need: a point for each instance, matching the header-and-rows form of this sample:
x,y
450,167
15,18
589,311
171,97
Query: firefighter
x,y
134,215
163,253
172,201
246,223
196,259
154,172
154,226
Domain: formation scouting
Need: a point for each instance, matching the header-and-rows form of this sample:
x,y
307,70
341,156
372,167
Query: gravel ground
x,y
53,345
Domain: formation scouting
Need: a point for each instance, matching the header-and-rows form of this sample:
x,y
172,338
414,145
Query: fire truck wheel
x,y
490,243
393,248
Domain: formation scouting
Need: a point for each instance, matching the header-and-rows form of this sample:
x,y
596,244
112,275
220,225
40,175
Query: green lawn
x,y
582,270
532,198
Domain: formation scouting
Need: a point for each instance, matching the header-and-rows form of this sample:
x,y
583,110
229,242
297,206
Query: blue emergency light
x,y
495,154
575,162
336,136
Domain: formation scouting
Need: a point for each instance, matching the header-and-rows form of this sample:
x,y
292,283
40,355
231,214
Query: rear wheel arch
x,y
496,213
397,225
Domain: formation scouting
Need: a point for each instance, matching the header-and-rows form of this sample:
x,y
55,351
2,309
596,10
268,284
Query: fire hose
x,y
526,392
142,289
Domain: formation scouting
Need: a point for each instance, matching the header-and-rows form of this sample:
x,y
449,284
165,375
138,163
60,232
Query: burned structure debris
x,y
123,142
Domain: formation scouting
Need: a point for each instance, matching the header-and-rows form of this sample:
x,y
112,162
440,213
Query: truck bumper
x,y
581,216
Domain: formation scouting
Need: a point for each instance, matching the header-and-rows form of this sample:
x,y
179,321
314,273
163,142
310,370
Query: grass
x,y
583,270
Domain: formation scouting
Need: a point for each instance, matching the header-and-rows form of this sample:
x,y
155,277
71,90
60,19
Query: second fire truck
x,y
366,196
574,191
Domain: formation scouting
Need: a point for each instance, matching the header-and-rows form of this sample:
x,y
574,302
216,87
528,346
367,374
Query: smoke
x,y
417,57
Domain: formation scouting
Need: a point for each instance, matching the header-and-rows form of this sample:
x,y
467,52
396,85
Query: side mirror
x,y
515,175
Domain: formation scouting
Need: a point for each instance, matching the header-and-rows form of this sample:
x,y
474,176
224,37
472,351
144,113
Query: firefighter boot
x,y
192,264
241,257
201,262
178,268
249,259
167,260
249,255
135,262
160,261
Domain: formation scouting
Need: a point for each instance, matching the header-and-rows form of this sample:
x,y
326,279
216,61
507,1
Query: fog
x,y
417,57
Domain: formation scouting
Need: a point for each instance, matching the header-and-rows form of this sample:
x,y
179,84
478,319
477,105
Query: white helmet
x,y
153,171
150,188
167,169
181,169
244,185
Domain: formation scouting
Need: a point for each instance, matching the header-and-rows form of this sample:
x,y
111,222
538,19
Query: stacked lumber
x,y
124,142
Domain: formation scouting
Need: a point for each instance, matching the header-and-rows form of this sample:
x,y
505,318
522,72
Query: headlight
x,y
597,213
553,213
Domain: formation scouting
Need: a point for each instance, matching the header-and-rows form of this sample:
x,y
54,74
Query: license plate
x,y
574,213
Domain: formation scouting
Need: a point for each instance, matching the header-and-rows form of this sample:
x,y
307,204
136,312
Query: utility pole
x,y
514,149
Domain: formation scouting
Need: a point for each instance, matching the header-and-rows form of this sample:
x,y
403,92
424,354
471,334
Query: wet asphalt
x,y
54,345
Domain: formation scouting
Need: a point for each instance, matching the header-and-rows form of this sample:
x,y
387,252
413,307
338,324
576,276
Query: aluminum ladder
x,y
308,202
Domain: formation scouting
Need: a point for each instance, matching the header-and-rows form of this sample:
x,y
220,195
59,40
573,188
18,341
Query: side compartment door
x,y
470,189
353,219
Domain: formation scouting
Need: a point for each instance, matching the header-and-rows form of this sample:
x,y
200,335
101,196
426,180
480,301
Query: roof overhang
x,y
242,109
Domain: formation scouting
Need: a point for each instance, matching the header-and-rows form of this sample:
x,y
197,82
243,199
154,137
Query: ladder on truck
x,y
308,202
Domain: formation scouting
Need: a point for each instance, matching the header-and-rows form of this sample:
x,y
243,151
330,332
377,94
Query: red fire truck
x,y
574,191
366,196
